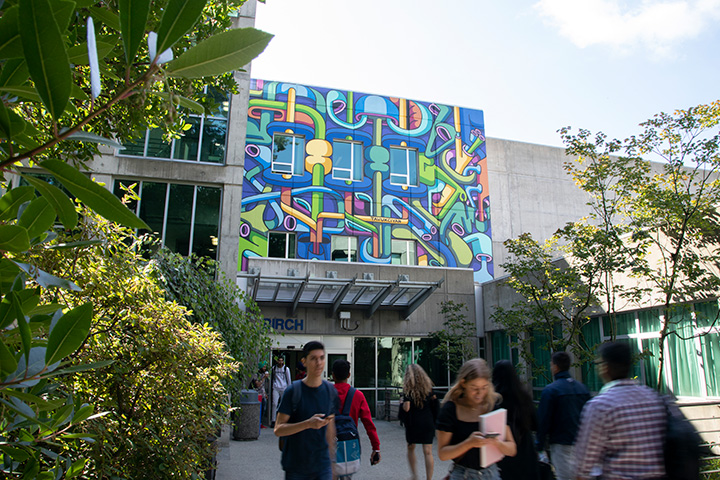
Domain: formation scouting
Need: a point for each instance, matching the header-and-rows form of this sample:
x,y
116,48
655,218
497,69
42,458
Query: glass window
x,y
179,218
620,323
683,362
186,218
436,368
347,160
281,245
394,355
203,141
711,359
186,147
364,367
288,154
403,252
153,198
206,224
706,314
649,321
156,147
500,346
403,166
591,341
344,249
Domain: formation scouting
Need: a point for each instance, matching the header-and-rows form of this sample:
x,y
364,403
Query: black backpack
x,y
347,451
682,445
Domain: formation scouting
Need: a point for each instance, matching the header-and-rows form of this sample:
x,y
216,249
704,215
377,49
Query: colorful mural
x,y
438,199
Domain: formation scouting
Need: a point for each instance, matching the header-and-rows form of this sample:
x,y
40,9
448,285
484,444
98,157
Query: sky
x,y
532,66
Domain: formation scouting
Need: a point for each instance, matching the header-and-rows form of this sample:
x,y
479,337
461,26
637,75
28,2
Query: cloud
x,y
658,26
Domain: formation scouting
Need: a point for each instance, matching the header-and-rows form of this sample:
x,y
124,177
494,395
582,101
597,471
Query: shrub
x,y
163,393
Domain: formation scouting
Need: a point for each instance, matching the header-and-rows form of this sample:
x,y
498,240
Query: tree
x,y
214,300
161,390
63,90
667,216
556,296
455,341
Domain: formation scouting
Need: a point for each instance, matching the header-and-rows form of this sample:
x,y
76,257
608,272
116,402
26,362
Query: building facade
x,y
351,218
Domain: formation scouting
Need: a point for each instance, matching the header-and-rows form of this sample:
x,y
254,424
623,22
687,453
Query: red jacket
x,y
359,408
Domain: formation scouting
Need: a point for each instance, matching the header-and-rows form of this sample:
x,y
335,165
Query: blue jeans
x,y
326,475
459,472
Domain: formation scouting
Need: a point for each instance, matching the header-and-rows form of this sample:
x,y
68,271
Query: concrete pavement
x,y
260,459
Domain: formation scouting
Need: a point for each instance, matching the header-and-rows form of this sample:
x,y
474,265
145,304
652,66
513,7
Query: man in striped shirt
x,y
622,430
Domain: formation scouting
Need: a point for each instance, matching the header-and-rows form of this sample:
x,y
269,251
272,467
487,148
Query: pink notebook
x,y
493,422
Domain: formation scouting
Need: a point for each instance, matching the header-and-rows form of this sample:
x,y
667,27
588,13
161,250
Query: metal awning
x,y
335,294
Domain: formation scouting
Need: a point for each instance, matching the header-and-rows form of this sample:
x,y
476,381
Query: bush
x,y
163,393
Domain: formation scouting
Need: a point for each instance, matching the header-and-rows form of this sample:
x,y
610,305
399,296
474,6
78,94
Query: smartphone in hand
x,y
374,458
491,435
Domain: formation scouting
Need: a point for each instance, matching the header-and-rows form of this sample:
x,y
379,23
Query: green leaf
x,y
98,198
8,364
6,313
11,201
44,51
10,44
8,273
14,239
67,246
83,413
46,309
178,18
5,126
79,93
78,54
105,16
59,200
46,280
38,217
14,72
93,138
23,326
85,367
63,11
43,405
220,53
182,101
22,91
133,17
69,333
17,454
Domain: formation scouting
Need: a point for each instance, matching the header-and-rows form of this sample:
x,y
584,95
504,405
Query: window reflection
x,y
185,218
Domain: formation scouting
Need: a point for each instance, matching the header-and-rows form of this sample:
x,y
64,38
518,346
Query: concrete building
x,y
352,217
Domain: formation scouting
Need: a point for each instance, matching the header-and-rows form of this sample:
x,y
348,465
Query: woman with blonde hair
x,y
457,424
418,411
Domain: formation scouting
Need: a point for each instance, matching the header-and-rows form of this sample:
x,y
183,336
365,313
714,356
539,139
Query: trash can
x,y
246,420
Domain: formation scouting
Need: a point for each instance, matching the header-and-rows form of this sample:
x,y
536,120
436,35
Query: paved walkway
x,y
260,459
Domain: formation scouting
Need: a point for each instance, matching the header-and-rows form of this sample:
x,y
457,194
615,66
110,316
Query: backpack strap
x,y
348,401
296,394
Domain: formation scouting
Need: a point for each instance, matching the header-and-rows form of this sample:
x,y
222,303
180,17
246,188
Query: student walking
x,y
559,415
280,381
359,408
418,411
522,421
457,425
306,420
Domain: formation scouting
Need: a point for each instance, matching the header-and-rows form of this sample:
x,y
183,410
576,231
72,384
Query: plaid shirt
x,y
622,433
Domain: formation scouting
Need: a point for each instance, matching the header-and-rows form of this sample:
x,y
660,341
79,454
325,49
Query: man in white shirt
x,y
281,380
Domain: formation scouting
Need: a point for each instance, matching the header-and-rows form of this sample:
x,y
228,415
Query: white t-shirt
x,y
281,377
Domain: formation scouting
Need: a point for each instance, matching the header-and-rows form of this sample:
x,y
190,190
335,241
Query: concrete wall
x,y
531,193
